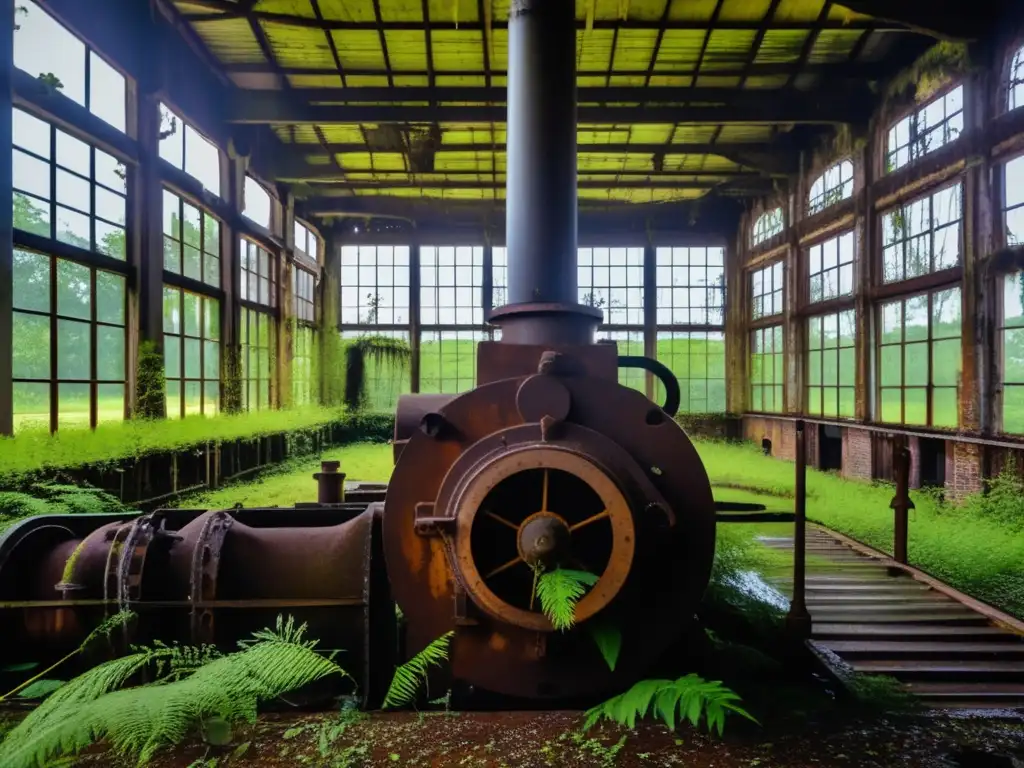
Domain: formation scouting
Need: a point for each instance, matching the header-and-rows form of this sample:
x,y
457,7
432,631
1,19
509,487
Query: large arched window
x,y
768,225
1015,87
835,184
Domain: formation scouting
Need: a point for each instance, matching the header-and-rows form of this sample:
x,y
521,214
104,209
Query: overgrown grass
x,y
33,450
976,546
294,481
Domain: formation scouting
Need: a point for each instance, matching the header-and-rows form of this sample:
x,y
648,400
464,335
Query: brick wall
x,y
782,433
963,469
857,453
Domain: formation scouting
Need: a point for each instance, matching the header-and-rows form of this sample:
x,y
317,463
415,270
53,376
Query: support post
x,y
6,221
798,621
901,503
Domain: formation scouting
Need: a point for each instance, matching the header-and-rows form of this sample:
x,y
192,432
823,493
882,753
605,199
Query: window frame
x,y
1005,208
812,208
822,351
182,337
807,273
914,138
764,229
769,269
183,128
907,284
761,331
1014,81
300,277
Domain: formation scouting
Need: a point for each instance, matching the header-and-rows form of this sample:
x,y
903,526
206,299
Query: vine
x,y
150,383
231,375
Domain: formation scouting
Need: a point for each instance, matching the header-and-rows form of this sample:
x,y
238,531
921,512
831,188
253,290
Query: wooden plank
x,y
823,630
938,667
860,647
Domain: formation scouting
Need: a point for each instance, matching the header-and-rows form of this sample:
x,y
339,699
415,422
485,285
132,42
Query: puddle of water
x,y
752,584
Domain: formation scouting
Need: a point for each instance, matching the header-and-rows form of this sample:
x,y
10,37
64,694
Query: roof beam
x,y
321,174
752,182
944,19
720,148
222,10
766,107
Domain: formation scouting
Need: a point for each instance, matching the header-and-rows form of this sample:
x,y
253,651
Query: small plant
x,y
50,80
559,591
150,383
690,698
408,677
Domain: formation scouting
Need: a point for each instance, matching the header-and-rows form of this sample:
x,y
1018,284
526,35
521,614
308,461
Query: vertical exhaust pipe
x,y
540,191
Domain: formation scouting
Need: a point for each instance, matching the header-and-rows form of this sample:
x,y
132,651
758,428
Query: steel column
x,y
799,620
6,221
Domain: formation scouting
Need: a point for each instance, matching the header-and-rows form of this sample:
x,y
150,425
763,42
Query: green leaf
x,y
406,682
608,639
40,689
240,750
559,591
20,667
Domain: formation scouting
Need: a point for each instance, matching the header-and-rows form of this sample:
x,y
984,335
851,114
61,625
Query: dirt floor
x,y
543,739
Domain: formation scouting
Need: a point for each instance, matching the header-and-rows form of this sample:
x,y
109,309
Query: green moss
x,y
150,383
231,378
936,67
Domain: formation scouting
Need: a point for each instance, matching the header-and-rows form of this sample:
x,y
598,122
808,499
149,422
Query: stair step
x,y
889,649
883,601
823,631
833,616
855,588
942,669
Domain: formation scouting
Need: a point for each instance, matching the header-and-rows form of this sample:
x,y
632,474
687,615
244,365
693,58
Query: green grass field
x,y
965,546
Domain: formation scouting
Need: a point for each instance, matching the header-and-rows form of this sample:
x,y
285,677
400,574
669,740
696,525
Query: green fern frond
x,y
559,591
406,682
690,698
139,721
284,631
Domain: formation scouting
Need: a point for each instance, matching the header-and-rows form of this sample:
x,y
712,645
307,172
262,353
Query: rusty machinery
x,y
549,461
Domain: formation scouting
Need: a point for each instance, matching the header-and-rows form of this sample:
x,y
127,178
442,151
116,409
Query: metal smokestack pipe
x,y
540,194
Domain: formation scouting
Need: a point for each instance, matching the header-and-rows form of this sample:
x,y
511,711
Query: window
x,y
629,342
832,186
375,285
697,358
258,337
612,279
1016,85
191,241
66,190
186,149
767,372
304,383
69,343
450,285
306,241
830,266
191,353
768,225
448,360
1011,336
831,364
932,126
922,237
499,277
766,290
46,49
1013,214
259,275
303,283
386,378
919,359
258,204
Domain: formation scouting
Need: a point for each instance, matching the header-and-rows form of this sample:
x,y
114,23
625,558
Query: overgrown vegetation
x,y
194,689
558,591
150,382
55,499
379,350
405,685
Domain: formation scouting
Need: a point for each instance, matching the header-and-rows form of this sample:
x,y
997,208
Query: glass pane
x,y
31,215
173,399
211,360
73,228
172,255
916,318
31,406
193,367
211,398
916,402
110,405
190,225
110,353
916,364
31,281
211,319
110,172
193,398
1013,409
33,134
1013,355
211,234
191,264
31,175
110,240
73,191
946,363
944,408
109,298
73,406
172,357
211,270
31,348
891,366
74,297
74,349
172,310
192,313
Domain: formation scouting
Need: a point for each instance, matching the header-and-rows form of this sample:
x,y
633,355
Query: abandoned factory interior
x,y
593,383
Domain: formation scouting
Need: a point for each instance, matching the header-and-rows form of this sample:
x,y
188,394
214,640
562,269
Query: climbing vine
x,y
150,383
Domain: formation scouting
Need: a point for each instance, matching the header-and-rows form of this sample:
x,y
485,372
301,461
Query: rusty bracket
x,y
463,607
204,572
429,524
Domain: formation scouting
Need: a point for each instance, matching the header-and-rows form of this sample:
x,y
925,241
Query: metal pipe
x,y
540,199
901,503
798,620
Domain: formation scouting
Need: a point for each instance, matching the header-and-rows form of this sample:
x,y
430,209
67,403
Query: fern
x,y
559,591
406,682
139,721
689,698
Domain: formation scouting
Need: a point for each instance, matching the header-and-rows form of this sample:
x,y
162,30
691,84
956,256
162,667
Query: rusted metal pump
x,y
549,461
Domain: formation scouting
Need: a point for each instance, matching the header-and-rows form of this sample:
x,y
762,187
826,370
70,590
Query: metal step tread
x,y
951,666
854,630
843,647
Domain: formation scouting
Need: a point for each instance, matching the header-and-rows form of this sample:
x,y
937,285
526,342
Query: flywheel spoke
x,y
502,520
592,519
515,560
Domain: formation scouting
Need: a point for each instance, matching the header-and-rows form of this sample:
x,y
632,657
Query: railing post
x,y
901,503
798,621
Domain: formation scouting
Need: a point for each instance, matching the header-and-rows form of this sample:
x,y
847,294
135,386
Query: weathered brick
x,y
857,453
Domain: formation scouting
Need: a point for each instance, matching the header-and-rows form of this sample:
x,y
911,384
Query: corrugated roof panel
x,y
343,134
834,45
468,134
452,11
457,49
799,10
463,161
301,8
591,81
230,40
766,81
680,49
602,136
744,10
718,81
192,8
647,10
594,49
402,81
698,163
359,48
728,47
407,49
499,53
348,10
638,81
367,81
315,81
738,133
661,81
650,133
692,10
639,194
377,161
634,48
401,10
317,159
473,80
693,134
781,45
617,161
259,81
298,46
304,134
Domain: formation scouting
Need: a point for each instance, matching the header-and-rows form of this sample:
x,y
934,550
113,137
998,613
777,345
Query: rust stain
x,y
498,642
413,551
437,575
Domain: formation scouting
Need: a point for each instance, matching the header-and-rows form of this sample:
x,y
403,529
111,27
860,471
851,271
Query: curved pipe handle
x,y
671,384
